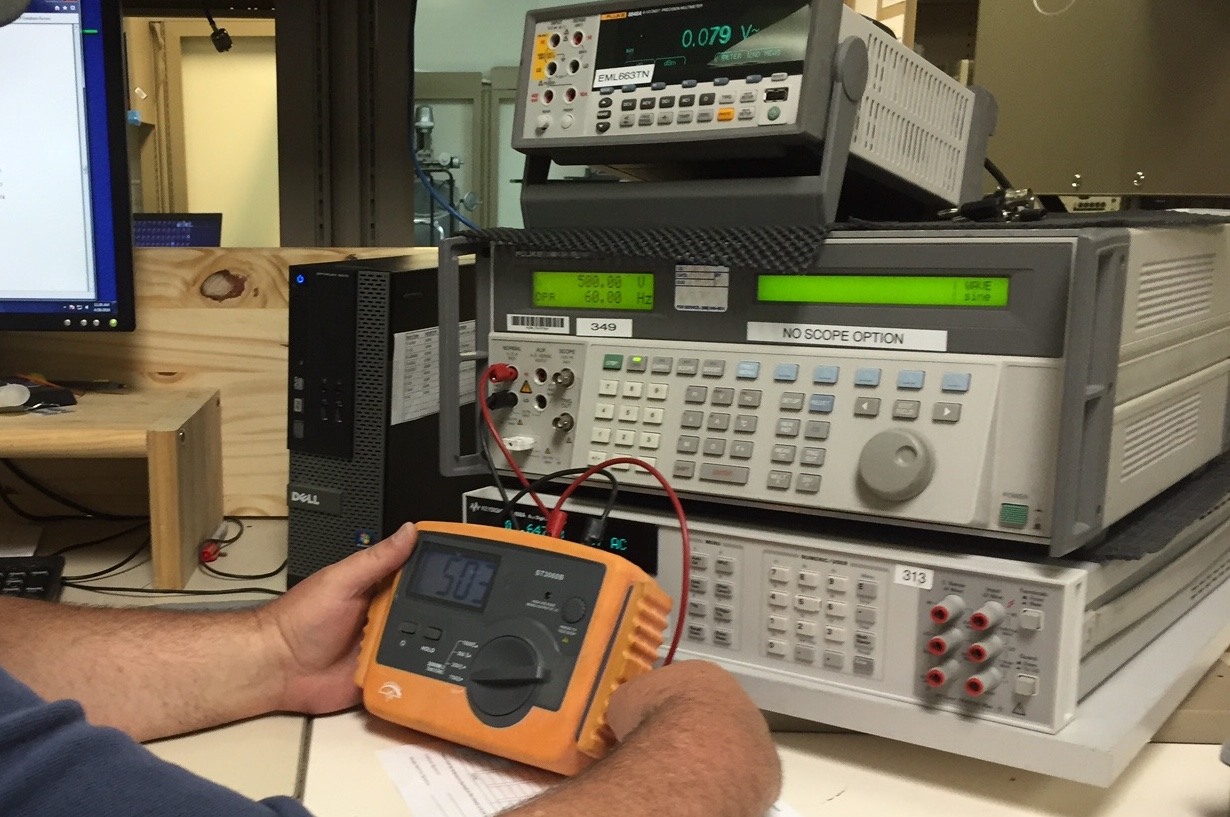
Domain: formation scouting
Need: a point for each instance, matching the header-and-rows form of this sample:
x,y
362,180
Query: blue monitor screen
x,y
65,222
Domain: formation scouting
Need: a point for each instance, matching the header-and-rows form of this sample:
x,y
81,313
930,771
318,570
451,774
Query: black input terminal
x,y
501,400
776,94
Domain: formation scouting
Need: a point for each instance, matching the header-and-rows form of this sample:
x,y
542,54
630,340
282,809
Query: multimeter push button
x,y
574,610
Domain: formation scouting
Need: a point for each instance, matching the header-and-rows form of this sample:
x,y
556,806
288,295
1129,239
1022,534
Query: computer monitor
x,y
65,223
177,229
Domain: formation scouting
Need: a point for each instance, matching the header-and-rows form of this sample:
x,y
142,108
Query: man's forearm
x,y
149,672
690,759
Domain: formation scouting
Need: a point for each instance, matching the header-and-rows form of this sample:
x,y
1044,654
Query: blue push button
x,y
628,89
957,382
752,79
721,81
867,377
658,86
910,380
786,372
825,375
820,404
748,370
607,91
688,83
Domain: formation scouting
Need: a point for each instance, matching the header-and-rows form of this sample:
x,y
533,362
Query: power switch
x,y
1012,515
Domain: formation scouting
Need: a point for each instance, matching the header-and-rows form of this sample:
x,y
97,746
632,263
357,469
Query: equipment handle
x,y
448,310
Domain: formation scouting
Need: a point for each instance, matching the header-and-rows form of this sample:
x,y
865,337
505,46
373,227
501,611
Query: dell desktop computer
x,y
363,406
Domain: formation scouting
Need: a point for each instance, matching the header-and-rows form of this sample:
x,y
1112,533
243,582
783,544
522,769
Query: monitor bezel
x,y
119,245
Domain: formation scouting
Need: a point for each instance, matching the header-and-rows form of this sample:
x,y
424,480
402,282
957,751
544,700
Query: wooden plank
x,y
206,319
185,490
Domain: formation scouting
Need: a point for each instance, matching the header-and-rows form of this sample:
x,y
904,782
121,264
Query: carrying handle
x,y
448,310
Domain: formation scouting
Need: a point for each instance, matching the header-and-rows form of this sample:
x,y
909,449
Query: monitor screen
x,y
65,224
177,230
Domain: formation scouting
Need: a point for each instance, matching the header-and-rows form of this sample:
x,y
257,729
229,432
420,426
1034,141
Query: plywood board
x,y
206,319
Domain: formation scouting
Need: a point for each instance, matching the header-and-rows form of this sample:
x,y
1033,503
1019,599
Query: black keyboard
x,y
31,577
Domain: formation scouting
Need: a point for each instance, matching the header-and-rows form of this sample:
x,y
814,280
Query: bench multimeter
x,y
509,642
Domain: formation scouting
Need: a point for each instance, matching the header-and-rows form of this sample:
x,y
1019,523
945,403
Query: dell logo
x,y
314,498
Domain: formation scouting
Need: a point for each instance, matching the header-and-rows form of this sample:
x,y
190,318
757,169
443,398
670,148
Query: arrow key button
x,y
946,412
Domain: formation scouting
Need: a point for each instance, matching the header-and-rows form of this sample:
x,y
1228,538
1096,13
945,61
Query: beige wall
x,y
231,137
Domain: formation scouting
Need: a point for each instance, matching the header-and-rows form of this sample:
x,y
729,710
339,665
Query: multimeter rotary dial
x,y
896,465
506,675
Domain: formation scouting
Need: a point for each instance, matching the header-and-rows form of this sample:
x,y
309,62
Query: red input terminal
x,y
987,616
502,373
981,651
938,677
945,642
982,683
948,608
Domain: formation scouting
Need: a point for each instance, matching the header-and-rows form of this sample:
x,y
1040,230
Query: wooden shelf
x,y
179,434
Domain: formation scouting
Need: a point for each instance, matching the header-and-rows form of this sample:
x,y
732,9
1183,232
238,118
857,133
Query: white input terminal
x,y
520,443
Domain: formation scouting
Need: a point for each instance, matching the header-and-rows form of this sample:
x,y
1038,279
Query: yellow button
x,y
725,114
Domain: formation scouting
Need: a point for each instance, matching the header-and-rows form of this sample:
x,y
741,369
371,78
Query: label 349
x,y
604,327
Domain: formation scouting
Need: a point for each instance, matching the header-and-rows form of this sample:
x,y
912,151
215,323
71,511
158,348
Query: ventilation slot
x,y
911,123
1174,290
1157,435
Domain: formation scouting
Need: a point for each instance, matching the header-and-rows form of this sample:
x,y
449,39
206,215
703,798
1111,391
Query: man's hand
x,y
314,630
691,744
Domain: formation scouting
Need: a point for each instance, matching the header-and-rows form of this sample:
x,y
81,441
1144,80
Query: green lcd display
x,y
620,291
885,290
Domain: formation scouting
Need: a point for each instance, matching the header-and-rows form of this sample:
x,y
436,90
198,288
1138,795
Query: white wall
x,y
231,137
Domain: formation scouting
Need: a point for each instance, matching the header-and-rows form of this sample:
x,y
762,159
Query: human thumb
x,y
360,572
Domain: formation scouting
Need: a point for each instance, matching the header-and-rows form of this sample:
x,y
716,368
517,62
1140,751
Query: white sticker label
x,y
604,327
857,337
546,324
702,289
416,373
919,577
626,75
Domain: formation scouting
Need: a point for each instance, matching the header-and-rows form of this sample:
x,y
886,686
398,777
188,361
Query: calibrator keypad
x,y
737,414
714,597
823,614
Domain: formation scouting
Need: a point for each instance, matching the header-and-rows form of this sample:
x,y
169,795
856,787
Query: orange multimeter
x,y
509,642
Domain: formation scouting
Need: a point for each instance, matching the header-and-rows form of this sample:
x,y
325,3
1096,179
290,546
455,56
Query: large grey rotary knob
x,y
896,465
507,673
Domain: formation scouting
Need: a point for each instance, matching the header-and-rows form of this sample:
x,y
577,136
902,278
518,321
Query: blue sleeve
x,y
55,764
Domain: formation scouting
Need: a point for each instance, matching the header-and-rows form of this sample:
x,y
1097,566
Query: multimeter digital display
x,y
509,642
454,576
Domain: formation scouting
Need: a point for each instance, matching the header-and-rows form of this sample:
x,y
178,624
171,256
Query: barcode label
x,y
549,324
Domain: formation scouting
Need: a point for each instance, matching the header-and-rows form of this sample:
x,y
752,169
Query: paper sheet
x,y
440,779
